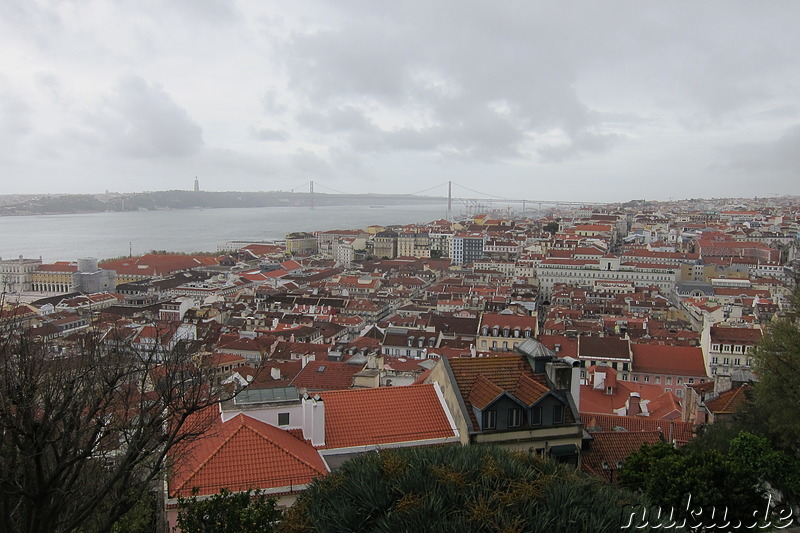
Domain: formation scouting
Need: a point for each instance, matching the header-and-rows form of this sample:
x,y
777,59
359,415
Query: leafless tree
x,y
86,428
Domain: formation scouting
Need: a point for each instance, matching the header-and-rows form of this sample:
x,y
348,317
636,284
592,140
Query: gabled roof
x,y
384,415
484,393
503,371
529,391
245,453
728,401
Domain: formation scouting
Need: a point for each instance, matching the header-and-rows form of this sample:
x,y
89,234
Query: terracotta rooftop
x,y
610,449
245,453
746,335
603,347
384,415
665,359
326,375
503,371
680,432
728,401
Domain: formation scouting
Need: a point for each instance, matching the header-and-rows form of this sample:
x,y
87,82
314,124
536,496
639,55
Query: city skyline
x,y
584,101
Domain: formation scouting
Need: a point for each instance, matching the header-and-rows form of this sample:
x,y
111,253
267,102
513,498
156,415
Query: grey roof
x,y
534,348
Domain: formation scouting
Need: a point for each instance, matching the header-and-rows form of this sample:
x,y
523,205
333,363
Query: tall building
x,y
196,184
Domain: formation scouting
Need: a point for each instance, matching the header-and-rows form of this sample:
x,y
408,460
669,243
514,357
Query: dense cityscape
x,y
577,336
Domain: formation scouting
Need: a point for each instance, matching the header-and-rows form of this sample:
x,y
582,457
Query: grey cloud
x,y
781,156
307,164
141,120
580,144
15,116
267,134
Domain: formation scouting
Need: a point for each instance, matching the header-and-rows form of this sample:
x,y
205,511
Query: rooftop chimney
x,y
634,408
314,420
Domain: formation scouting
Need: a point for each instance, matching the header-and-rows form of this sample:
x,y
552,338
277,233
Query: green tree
x,y
551,227
687,480
457,489
228,512
777,363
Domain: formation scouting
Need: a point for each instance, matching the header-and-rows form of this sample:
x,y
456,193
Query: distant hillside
x,y
162,200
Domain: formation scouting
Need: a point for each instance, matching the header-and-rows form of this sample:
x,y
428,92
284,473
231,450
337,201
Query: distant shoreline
x,y
75,204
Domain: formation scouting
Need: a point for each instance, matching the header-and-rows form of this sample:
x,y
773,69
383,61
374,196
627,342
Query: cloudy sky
x,y
553,100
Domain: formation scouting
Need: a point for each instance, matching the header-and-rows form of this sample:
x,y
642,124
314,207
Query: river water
x,y
105,235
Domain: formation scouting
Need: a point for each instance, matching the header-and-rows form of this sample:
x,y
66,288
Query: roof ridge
x,y
281,448
212,454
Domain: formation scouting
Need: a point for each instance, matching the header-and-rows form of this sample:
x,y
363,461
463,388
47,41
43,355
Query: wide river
x,y
105,235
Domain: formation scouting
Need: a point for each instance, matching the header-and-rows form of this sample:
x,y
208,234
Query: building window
x,y
505,345
658,380
625,366
483,344
514,417
691,381
490,419
558,414
725,360
737,349
624,377
714,360
715,347
679,381
669,380
636,378
283,419
726,348
679,392
536,416
647,379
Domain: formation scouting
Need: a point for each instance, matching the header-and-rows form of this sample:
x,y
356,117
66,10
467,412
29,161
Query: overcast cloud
x,y
553,100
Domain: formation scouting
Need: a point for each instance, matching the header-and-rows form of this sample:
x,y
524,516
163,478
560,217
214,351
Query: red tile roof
x,y
245,453
608,449
672,360
504,371
680,432
746,335
500,320
326,375
528,390
728,401
597,401
483,393
363,417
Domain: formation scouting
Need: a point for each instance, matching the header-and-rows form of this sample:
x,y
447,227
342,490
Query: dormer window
x,y
558,414
485,330
536,416
495,331
490,419
506,331
411,341
421,342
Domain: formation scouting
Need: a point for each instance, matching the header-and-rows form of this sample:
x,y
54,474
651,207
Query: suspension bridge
x,y
473,201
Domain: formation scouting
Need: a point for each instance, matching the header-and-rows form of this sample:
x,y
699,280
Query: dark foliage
x,y
457,489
